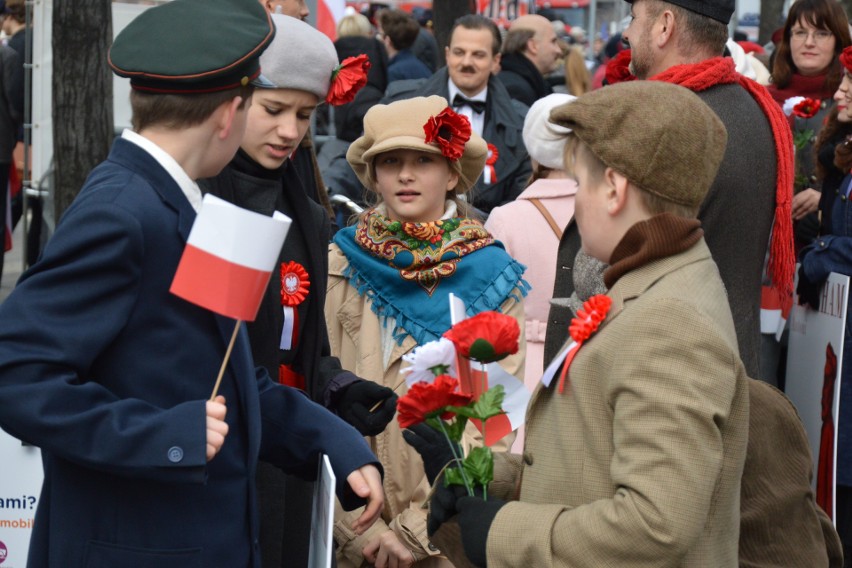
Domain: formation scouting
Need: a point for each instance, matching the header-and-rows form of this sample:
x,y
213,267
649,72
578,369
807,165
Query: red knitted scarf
x,y
720,71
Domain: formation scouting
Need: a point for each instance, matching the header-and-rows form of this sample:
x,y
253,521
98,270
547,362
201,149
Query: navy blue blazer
x,y
108,373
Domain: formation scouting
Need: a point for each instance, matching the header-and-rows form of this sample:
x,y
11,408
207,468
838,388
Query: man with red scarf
x,y
682,42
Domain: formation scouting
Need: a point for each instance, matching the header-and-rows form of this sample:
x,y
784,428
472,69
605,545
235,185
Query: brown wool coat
x,y
639,465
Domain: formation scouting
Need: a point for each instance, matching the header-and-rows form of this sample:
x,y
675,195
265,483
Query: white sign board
x,y
20,486
814,363
321,550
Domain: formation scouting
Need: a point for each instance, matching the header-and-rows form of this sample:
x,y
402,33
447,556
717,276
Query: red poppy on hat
x,y
450,131
347,79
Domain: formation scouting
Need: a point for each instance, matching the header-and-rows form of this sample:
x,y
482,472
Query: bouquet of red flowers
x,y
801,108
446,404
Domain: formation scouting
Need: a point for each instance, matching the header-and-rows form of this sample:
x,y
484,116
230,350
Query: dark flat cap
x,y
660,136
193,46
720,10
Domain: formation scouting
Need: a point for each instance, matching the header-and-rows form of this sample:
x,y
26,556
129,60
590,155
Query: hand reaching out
x,y
366,482
805,202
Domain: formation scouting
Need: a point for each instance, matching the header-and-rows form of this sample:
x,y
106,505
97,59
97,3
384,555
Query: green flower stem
x,y
458,458
482,389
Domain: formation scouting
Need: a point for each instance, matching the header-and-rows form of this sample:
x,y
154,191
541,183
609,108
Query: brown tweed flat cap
x,y
660,136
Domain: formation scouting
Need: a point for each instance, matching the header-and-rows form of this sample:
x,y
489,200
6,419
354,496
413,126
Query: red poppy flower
x,y
806,108
450,131
486,337
424,400
618,68
347,79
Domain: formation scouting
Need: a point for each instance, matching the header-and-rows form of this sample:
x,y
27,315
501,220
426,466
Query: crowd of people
x,y
651,210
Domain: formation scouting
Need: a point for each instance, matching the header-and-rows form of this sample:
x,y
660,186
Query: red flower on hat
x,y
347,79
806,108
450,131
485,337
425,400
618,68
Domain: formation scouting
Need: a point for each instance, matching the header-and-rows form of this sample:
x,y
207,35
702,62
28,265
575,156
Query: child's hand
x,y
217,428
366,482
386,551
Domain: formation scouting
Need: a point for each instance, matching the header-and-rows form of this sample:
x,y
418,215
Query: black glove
x,y
475,519
356,400
432,447
442,506
809,292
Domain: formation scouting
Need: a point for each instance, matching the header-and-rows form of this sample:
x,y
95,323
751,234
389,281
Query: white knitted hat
x,y
544,140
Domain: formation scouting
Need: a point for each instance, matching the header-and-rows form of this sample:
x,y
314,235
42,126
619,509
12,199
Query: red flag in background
x,y
229,257
329,12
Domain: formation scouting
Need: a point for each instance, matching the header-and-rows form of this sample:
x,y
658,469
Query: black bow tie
x,y
477,106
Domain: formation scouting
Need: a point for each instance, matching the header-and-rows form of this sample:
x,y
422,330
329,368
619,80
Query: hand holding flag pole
x,y
227,263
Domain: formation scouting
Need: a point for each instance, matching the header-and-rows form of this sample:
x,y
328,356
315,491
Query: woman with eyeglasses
x,y
806,65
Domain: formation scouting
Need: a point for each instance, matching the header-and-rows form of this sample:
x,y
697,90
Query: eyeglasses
x,y
819,35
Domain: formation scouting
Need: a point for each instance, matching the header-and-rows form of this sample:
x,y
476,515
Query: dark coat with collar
x,y
110,373
504,122
522,79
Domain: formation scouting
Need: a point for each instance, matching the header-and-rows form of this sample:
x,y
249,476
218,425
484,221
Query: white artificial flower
x,y
790,103
426,359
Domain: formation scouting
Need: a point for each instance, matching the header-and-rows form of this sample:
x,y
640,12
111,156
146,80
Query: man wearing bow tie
x,y
469,82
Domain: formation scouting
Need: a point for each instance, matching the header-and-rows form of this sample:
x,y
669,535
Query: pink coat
x,y
530,240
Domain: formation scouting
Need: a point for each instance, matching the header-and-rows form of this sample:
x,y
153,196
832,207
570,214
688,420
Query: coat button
x,y
528,459
433,548
175,454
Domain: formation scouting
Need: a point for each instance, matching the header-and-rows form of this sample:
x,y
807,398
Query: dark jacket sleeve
x,y
54,328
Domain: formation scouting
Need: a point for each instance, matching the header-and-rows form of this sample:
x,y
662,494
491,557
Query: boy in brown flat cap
x,y
111,373
635,445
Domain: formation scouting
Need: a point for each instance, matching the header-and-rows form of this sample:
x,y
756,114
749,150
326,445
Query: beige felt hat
x,y
403,125
660,136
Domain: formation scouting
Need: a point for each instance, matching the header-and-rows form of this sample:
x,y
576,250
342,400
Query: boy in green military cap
x,y
109,374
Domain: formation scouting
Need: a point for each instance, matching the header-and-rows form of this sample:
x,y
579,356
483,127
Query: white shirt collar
x,y
453,91
189,188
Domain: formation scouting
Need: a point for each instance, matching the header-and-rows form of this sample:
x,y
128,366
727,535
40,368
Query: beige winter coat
x,y
355,334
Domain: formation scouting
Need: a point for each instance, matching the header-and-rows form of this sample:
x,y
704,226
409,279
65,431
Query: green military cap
x,y
193,46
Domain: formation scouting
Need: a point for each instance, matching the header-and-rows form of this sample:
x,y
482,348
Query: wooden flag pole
x,y
225,361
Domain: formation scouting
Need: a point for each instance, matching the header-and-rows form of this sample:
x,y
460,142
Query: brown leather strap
x,y
550,220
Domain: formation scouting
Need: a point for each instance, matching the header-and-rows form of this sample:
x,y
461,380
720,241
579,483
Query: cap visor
x,y
263,83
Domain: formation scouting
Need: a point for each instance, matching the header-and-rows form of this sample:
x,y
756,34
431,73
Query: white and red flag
x,y
329,12
229,257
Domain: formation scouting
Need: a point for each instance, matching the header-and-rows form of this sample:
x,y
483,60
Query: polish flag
x,y
229,257
329,12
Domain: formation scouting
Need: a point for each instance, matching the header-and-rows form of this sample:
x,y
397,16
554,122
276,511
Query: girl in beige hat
x,y
390,277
